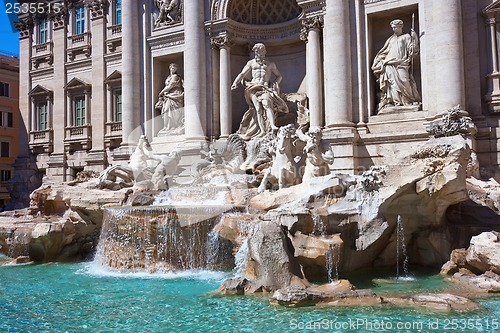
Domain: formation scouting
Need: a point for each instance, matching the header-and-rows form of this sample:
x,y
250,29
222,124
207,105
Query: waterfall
x,y
319,226
401,248
19,244
159,239
332,259
241,259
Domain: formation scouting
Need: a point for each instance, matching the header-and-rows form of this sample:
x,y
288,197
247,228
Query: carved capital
x,y
60,18
220,42
311,23
24,26
97,8
491,21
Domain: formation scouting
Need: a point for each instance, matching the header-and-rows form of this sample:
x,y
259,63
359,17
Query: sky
x,y
9,40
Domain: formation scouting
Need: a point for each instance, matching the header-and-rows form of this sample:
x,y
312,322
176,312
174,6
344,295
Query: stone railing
x,y
41,141
42,53
113,136
78,137
78,44
114,39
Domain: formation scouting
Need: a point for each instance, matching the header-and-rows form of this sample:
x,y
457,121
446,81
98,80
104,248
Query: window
x,y
6,119
4,89
79,109
79,20
5,175
5,149
118,11
117,105
43,31
43,116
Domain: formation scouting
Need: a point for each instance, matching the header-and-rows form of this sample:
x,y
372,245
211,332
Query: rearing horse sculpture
x,y
283,171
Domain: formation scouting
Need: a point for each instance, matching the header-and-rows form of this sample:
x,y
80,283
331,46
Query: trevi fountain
x,y
257,232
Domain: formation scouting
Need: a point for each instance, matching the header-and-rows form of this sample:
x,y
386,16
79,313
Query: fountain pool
x,y
84,298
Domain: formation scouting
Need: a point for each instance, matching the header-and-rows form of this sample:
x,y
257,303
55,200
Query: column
x,y
109,107
131,55
50,116
194,70
24,26
215,132
33,116
88,116
493,81
222,43
337,64
446,39
69,110
311,35
97,117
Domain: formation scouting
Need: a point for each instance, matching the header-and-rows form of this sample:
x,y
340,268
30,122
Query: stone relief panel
x,y
170,12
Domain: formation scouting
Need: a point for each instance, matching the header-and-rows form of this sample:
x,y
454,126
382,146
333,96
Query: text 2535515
x,y
35,7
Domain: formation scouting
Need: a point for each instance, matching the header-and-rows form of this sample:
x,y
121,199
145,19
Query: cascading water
x,y
332,259
19,244
158,239
401,248
241,259
319,226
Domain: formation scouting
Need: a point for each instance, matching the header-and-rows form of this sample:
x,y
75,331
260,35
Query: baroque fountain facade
x,y
292,142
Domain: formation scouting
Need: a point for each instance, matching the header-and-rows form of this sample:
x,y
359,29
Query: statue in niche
x,y
262,96
319,153
169,12
393,66
171,104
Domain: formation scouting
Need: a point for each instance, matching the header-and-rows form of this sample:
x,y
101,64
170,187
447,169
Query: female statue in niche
x,y
171,104
393,68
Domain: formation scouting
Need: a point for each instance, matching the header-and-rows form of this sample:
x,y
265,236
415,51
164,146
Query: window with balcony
x,y
117,105
79,110
117,12
42,112
79,20
4,89
43,30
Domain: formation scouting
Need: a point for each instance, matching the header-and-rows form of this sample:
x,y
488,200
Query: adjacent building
x,y
9,122
91,72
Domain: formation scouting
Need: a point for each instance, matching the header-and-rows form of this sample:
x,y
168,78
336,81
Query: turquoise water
x,y
81,298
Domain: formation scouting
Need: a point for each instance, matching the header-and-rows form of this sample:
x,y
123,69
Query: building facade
x,y
9,122
90,74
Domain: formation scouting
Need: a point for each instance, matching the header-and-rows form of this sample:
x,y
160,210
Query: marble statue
x,y
319,153
169,12
284,170
261,95
171,104
167,167
393,68
144,166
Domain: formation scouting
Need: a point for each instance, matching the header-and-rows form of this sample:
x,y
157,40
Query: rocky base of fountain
x,y
294,237
477,267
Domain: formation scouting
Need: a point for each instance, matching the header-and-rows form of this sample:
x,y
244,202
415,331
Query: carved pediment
x,y
76,84
115,77
39,90
492,9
